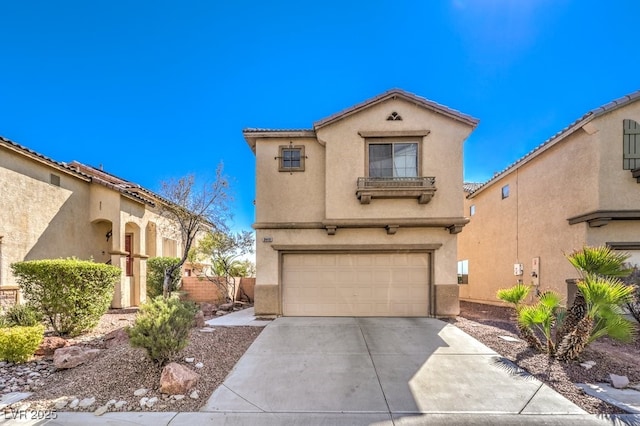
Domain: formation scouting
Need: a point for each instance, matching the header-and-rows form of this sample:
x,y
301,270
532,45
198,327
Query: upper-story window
x,y
472,209
395,159
292,158
505,192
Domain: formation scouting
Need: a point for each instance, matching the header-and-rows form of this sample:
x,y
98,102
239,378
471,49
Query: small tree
x,y
156,267
193,209
224,250
72,294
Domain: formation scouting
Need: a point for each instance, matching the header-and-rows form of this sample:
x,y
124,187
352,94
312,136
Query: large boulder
x,y
72,356
50,344
177,379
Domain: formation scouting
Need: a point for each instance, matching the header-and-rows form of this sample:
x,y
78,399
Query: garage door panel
x,y
346,284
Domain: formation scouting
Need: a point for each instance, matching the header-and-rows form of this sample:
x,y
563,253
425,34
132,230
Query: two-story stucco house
x,y
55,210
580,187
359,215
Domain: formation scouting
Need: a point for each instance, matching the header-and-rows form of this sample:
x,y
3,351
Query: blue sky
x,y
159,89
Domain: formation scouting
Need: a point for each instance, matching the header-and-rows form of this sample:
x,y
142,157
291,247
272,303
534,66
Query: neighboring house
x,y
580,187
57,210
359,215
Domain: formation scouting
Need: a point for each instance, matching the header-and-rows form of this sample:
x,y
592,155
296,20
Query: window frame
x,y
505,191
281,151
463,266
392,141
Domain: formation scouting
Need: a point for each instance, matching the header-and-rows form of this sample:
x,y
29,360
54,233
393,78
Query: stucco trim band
x,y
434,222
393,133
602,217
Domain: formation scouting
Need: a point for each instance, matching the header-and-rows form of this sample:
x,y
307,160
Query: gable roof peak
x,y
394,94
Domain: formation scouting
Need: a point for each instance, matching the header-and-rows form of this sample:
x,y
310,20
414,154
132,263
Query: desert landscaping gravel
x,y
110,380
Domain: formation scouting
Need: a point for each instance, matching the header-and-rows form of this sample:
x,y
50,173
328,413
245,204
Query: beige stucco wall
x,y
580,174
441,157
40,220
294,196
326,190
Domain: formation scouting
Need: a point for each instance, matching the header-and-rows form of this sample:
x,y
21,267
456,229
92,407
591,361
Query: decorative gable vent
x,y
631,145
394,116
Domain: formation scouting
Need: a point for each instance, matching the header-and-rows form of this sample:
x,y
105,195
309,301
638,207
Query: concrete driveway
x,y
381,371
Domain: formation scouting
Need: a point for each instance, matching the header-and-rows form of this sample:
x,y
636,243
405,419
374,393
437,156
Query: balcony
x,y
421,188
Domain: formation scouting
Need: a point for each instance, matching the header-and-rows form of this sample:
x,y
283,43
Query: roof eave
x,y
393,94
252,135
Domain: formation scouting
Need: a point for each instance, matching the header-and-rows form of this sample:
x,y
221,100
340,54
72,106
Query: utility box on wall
x,y
518,269
535,271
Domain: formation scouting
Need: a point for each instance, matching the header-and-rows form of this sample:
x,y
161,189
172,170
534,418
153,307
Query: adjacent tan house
x,y
580,187
360,215
56,210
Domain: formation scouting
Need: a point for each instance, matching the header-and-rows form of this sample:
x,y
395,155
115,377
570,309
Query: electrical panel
x,y
518,269
535,271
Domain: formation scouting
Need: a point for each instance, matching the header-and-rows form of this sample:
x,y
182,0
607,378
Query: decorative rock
x,y
50,344
226,307
60,404
220,313
207,330
118,405
178,397
87,402
111,402
199,319
189,360
151,401
208,309
177,379
116,337
140,392
619,382
194,395
588,364
509,339
74,403
73,356
101,410
143,401
199,365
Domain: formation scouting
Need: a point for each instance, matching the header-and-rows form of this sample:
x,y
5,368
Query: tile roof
x,y
399,93
559,136
471,186
42,158
87,173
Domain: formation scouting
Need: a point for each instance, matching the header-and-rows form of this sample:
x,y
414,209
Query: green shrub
x,y
17,344
155,275
23,315
162,327
71,294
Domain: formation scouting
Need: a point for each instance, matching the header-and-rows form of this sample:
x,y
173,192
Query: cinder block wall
x,y
203,290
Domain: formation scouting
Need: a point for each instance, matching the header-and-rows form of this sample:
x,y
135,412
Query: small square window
x,y
54,179
291,158
472,210
505,192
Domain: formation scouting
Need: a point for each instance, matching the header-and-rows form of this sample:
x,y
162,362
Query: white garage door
x,y
341,284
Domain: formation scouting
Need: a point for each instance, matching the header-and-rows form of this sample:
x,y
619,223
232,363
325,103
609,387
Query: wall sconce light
x,y
109,234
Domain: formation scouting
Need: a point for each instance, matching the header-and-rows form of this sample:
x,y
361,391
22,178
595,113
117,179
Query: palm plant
x,y
542,316
599,261
603,315
515,296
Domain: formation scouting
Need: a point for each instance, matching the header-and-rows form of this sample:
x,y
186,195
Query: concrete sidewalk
x,y
366,371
